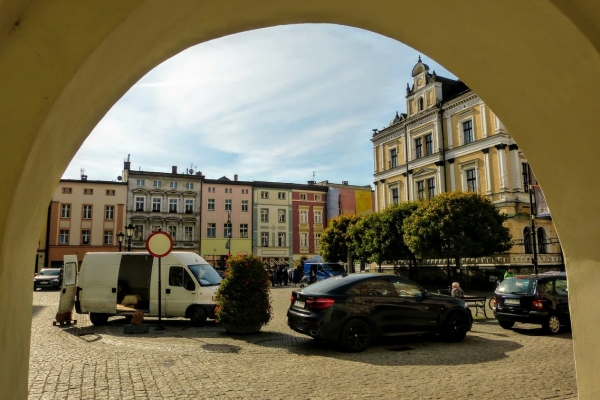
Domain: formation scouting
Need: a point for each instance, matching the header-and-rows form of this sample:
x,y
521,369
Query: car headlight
x,y
55,280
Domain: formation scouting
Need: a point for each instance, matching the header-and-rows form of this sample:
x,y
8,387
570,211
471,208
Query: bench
x,y
479,302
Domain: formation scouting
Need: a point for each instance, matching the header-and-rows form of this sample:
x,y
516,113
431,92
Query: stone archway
x,y
63,65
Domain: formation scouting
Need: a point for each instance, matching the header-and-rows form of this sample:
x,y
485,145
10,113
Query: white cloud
x,y
273,104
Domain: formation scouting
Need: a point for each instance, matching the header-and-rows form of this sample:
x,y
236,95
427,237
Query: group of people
x,y
280,275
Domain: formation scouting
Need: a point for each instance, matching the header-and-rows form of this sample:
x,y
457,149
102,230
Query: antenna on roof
x,y
314,176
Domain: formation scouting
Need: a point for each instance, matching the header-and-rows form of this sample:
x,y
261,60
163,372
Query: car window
x,y
561,287
378,287
517,286
355,290
548,287
406,289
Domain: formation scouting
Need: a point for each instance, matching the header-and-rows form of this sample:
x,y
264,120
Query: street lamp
x,y
129,229
532,217
228,245
120,237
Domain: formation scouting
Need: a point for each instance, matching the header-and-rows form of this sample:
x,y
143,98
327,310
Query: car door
x,y
69,284
416,312
562,299
180,292
380,298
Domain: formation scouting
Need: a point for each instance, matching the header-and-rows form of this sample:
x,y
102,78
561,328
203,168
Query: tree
x,y
455,225
335,241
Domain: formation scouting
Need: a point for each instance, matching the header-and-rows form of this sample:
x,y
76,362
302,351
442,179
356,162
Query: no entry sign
x,y
159,244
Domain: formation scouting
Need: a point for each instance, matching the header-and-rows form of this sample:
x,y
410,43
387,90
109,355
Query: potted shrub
x,y
243,298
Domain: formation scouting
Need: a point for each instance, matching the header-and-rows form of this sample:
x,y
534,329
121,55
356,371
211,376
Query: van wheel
x,y
98,318
552,324
198,316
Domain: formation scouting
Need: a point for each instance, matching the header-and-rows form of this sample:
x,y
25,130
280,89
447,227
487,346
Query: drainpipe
x,y
406,156
46,250
443,148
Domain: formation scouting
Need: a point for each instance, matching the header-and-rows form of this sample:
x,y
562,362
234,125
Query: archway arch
x,y
65,64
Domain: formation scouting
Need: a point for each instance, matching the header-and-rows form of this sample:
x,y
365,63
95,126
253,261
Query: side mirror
x,y
419,296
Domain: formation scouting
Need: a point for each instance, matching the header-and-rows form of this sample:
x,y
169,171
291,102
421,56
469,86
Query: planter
x,y
242,329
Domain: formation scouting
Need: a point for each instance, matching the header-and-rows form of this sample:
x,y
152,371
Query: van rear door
x,y
69,284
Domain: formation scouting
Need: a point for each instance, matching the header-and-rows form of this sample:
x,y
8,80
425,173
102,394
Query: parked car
x,y
354,309
533,299
50,278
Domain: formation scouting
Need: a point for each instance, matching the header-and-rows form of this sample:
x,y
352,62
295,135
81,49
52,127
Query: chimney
x,y
344,182
235,177
174,171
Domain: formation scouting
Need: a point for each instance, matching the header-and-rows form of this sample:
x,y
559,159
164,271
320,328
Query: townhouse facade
x,y
84,215
226,219
450,140
166,201
309,215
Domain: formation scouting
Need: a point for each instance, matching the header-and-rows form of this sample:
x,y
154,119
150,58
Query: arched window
x,y
527,240
542,239
421,104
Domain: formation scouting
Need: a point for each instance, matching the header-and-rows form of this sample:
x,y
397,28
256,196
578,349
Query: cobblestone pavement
x,y
185,362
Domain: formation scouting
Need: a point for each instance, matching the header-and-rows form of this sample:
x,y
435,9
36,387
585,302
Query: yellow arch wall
x,y
63,64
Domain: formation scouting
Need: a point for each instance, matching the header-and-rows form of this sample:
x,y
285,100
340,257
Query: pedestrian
x,y
510,273
313,273
285,274
297,274
457,291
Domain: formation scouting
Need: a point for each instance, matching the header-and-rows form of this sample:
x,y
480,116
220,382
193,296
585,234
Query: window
x,y
87,212
109,212
264,215
188,233
244,205
140,203
317,240
156,228
542,240
172,230
281,195
156,204
85,236
281,239
138,233
525,174
264,195
467,131
244,191
420,104
393,158
110,192
395,195
303,216
173,185
189,206
421,190
304,240
211,205
67,190
264,239
318,216
419,147
108,237
431,187
157,184
302,196
428,145
317,197
211,230
406,289
189,185
88,191
140,182
471,180
64,237
180,277
228,190
281,217
65,211
173,203
226,230
243,230
227,204
527,240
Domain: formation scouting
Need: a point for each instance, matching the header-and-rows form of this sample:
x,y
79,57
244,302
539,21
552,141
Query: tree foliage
x,y
335,240
455,225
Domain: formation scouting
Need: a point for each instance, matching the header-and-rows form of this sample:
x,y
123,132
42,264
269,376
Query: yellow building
x,y
450,140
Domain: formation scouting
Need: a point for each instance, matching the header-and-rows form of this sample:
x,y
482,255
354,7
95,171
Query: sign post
x,y
159,244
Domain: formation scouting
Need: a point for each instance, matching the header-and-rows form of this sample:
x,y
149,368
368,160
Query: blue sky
x,y
274,104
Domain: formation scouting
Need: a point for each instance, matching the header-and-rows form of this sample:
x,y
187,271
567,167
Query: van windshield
x,y
205,274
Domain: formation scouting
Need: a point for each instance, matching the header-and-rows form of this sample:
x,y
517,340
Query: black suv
x,y
533,299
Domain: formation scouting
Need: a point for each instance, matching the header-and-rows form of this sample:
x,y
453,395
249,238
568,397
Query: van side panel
x,y
98,282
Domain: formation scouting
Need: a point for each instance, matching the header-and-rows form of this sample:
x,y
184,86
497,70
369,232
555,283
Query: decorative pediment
x,y
424,171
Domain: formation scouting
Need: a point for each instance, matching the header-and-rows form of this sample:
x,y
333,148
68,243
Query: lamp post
x,y
120,237
129,229
532,216
228,244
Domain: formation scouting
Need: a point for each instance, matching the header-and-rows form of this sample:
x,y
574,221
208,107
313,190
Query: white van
x,y
110,284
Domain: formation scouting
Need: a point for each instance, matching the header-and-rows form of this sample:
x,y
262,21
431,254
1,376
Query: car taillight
x,y
292,298
321,303
495,302
537,304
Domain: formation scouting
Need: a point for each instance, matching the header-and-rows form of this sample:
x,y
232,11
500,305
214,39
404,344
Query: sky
x,y
290,104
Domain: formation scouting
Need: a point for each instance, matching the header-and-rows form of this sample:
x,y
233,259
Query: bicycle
x,y
491,300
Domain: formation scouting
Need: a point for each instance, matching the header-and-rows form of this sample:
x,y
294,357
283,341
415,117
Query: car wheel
x,y
355,336
455,327
506,324
98,318
198,316
552,324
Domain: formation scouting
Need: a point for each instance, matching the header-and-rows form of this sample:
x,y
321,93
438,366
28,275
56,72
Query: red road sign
x,y
159,244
